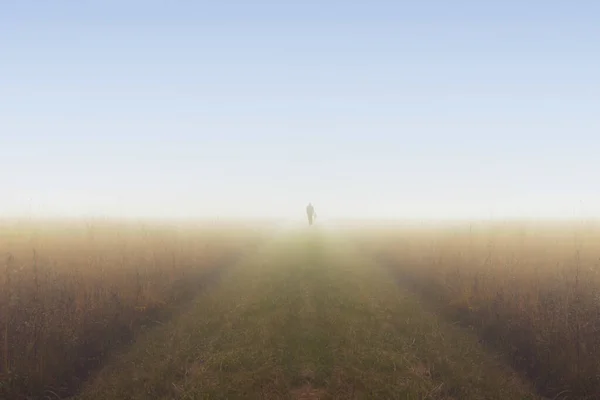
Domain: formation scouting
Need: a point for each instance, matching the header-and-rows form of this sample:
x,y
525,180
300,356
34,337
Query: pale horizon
x,y
428,111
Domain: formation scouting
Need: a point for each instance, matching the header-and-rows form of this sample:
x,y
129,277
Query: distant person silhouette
x,y
310,213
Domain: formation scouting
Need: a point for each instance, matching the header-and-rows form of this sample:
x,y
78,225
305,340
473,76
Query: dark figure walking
x,y
310,213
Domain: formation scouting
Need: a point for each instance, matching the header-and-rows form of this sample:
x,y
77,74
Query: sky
x,y
371,109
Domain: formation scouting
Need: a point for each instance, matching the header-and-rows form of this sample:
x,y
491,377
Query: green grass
x,y
307,318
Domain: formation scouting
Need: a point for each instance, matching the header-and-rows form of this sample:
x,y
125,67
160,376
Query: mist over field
x,y
463,309
299,200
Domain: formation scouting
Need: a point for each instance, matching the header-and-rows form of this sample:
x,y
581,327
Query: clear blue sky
x,y
253,108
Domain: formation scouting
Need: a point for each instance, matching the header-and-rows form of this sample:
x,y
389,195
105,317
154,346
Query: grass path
x,y
307,318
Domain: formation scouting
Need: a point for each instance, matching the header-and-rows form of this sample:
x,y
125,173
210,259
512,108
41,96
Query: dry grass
x,y
72,291
306,317
530,289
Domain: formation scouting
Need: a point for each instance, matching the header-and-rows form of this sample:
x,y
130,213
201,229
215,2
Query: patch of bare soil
x,y
307,392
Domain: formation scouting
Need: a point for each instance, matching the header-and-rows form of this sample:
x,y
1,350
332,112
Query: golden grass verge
x,y
70,292
531,289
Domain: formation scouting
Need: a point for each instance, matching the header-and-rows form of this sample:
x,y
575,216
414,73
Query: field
x,y
530,290
307,317
107,310
71,292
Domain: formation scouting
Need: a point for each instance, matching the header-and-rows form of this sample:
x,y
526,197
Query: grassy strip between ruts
x,y
307,319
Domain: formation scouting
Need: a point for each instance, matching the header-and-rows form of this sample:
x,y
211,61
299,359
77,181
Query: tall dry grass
x,y
530,289
72,291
